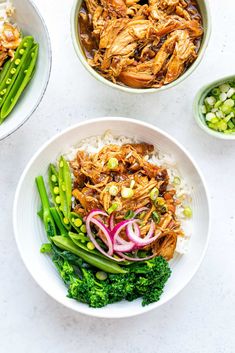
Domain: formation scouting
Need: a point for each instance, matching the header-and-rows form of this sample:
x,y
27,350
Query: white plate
x,y
31,23
29,232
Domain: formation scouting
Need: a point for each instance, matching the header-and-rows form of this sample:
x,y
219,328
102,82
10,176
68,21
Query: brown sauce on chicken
x,y
140,44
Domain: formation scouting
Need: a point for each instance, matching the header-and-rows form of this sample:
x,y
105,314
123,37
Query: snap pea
x,y
53,181
82,242
65,188
22,80
46,214
14,68
63,231
96,261
4,70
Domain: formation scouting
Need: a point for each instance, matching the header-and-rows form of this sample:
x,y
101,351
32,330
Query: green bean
x,y
20,83
53,181
47,218
63,231
4,70
65,188
96,261
14,68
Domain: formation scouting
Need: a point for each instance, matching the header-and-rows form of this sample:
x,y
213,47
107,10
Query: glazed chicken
x,y
95,183
140,44
9,41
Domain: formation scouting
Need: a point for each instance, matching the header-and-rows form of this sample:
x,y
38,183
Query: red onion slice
x,y
90,219
105,231
134,236
140,210
111,222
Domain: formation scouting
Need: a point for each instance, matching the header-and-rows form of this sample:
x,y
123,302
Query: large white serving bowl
x,y
29,232
29,20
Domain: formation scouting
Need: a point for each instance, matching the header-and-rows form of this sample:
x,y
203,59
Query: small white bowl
x,y
30,234
29,20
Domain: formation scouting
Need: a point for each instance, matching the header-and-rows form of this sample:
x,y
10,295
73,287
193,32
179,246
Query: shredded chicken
x,y
93,180
141,45
10,37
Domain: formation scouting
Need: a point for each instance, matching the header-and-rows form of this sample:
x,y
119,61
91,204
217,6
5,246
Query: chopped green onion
x,y
224,87
112,163
127,193
210,116
215,92
156,217
177,180
188,212
90,245
112,208
101,275
160,201
129,214
142,215
113,190
154,194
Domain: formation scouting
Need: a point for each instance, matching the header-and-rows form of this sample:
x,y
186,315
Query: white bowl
x,y
30,22
29,232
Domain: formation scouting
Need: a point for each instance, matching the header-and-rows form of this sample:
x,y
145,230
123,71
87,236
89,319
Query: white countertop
x,y
202,317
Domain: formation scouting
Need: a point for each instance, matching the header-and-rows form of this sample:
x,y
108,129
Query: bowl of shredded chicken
x,y
137,45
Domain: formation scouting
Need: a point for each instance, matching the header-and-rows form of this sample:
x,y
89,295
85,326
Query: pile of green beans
x,y
16,74
65,228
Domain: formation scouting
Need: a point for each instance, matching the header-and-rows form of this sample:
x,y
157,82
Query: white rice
x,y
6,11
96,143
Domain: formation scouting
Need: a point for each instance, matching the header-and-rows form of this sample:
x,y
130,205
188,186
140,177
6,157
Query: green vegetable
x,y
156,217
113,190
218,108
112,163
58,222
188,212
146,279
22,80
65,188
94,260
127,193
4,70
129,214
46,214
112,208
83,228
154,194
90,246
101,275
76,221
53,181
46,248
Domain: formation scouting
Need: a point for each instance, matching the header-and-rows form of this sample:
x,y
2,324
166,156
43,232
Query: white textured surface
x,y
202,318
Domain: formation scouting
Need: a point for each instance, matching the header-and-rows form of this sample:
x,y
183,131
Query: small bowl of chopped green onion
x,y
214,108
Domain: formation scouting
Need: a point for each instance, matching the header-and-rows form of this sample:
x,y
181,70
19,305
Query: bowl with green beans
x,y
214,108
25,75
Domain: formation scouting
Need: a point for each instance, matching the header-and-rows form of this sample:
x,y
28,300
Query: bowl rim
x,y
198,116
95,74
87,311
49,53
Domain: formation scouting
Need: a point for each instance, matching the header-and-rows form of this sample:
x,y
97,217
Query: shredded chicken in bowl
x,y
121,181
140,44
